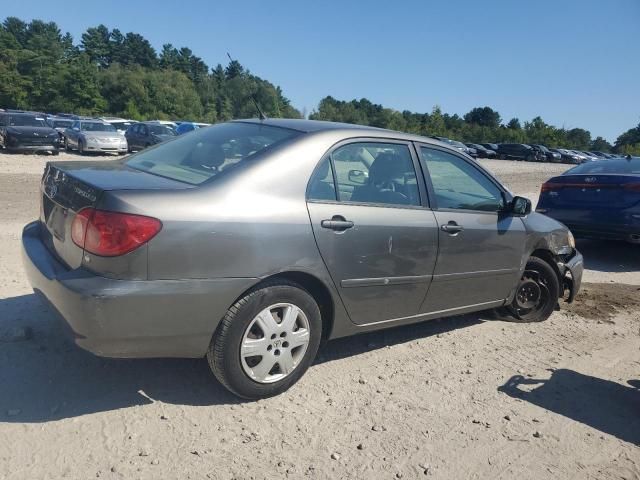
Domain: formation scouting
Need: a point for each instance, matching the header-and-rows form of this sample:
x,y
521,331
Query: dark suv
x,y
546,154
516,151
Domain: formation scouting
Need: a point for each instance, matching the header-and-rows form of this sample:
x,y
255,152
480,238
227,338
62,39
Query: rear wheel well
x,y
316,288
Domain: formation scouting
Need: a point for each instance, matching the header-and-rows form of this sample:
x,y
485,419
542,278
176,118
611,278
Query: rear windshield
x,y
97,127
203,154
617,165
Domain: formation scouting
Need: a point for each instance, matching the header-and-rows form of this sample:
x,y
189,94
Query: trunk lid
x,y
68,187
592,191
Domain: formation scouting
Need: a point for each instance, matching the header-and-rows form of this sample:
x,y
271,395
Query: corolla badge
x,y
590,179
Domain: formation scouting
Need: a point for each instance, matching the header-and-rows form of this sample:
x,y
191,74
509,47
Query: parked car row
x,y
529,153
36,131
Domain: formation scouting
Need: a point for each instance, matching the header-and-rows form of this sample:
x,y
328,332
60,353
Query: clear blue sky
x,y
574,62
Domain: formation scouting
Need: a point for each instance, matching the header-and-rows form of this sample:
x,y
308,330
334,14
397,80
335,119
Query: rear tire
x,y
254,331
536,295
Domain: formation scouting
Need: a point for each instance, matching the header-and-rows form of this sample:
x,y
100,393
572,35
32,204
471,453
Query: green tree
x,y
435,124
599,144
484,116
514,124
96,43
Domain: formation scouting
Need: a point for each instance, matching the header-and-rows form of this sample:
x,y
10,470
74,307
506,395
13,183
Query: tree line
x,y
110,72
480,125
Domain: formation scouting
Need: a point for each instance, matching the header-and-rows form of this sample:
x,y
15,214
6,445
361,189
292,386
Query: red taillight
x,y
634,187
110,234
548,187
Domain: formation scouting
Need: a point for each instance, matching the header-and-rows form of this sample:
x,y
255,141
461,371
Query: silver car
x,y
251,242
94,136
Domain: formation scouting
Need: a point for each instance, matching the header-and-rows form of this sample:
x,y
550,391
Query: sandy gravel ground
x,y
458,398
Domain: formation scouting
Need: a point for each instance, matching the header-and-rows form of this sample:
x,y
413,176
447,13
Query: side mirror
x,y
520,206
358,177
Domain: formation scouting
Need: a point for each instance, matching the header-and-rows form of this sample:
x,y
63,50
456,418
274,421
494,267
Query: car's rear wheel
x,y
266,341
536,295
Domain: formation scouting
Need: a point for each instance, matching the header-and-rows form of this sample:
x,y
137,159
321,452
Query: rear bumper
x,y
627,234
571,273
130,318
624,232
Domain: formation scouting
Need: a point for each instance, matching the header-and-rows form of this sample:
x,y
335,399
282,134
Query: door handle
x,y
452,228
337,223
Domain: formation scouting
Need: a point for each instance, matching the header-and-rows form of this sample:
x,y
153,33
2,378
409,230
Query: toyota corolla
x,y
251,242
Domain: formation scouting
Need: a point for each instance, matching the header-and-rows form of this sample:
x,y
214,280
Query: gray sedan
x,y
251,242
94,136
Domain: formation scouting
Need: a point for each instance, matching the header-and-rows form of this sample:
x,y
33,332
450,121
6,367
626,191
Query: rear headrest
x,y
208,154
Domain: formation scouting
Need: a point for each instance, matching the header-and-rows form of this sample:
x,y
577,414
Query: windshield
x,y
61,123
121,125
97,127
617,165
25,121
207,152
161,130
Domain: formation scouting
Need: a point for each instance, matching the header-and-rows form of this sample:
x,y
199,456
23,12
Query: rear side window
x,y
458,185
207,152
321,185
376,173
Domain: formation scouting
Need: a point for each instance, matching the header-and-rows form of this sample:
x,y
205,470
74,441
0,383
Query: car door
x,y
373,228
135,137
480,246
72,134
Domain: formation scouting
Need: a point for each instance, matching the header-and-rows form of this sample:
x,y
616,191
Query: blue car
x,y
186,127
599,199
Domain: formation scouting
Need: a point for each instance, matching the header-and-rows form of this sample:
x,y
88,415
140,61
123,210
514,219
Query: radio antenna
x,y
261,114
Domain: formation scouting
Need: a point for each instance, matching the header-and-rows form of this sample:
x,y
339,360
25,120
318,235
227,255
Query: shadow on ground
x,y
610,256
607,406
48,378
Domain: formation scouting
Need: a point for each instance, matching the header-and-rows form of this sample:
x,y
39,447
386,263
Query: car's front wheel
x,y
266,341
536,295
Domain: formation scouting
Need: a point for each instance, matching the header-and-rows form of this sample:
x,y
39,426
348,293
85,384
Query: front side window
x,y
377,173
458,185
207,152
161,130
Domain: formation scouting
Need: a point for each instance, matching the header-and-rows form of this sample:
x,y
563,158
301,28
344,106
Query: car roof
x,y
316,126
